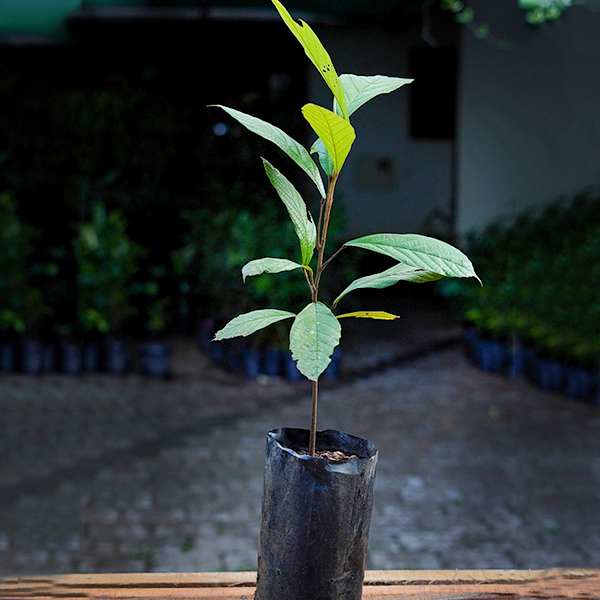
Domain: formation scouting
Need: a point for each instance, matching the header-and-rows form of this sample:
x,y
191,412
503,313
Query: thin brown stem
x,y
311,284
320,222
331,258
325,226
324,216
313,428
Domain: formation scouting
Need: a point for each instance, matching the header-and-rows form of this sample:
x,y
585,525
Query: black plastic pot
x,y
90,357
272,361
155,359
116,356
333,369
70,358
316,515
32,355
580,382
292,372
250,362
49,358
7,357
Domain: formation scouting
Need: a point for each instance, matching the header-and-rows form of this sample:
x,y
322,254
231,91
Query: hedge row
x,y
541,274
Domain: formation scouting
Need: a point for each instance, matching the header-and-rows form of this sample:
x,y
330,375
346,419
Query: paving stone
x,y
475,471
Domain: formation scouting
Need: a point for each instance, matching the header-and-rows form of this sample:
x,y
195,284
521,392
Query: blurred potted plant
x,y
154,354
318,492
22,304
230,238
10,326
107,261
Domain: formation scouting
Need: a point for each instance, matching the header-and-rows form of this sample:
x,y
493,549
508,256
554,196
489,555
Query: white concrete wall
x,y
420,178
528,116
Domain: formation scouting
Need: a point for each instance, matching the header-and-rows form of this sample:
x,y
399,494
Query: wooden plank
x,y
576,584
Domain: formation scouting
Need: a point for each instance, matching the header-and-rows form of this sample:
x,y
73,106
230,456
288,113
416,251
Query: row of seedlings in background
x,y
536,315
233,240
38,299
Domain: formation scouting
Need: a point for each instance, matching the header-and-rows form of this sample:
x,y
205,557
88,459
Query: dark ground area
x,y
113,474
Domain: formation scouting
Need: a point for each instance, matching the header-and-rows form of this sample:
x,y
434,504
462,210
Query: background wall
x,y
390,182
529,115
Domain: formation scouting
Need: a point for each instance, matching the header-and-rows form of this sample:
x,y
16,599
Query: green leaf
x,y
359,89
336,133
370,314
389,277
291,147
419,251
326,163
268,265
314,335
316,52
305,228
248,323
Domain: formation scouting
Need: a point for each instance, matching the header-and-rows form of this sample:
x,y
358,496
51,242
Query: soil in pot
x,y
316,514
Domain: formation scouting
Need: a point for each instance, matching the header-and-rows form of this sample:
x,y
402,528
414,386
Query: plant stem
x,y
325,225
324,216
313,428
331,258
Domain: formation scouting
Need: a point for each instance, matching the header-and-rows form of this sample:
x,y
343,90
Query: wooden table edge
x,y
581,584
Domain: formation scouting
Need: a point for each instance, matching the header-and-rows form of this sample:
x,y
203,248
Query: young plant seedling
x,y
316,330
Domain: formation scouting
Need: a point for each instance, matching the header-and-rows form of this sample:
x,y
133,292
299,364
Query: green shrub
x,y
542,279
22,305
107,261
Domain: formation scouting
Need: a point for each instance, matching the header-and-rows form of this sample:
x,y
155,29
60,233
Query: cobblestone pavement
x,y
104,474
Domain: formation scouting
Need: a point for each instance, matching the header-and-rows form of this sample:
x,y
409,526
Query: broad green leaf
x,y
305,228
336,133
326,163
291,147
389,277
316,52
359,89
370,314
419,251
248,323
314,334
268,265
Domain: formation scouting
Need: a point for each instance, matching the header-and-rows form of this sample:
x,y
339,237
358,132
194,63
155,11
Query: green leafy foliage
x,y
325,161
532,266
359,89
314,335
281,139
318,55
315,331
152,299
389,277
378,315
418,251
108,260
21,301
268,265
219,245
251,322
336,133
304,226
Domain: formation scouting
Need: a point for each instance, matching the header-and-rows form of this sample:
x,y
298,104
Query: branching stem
x,y
332,257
